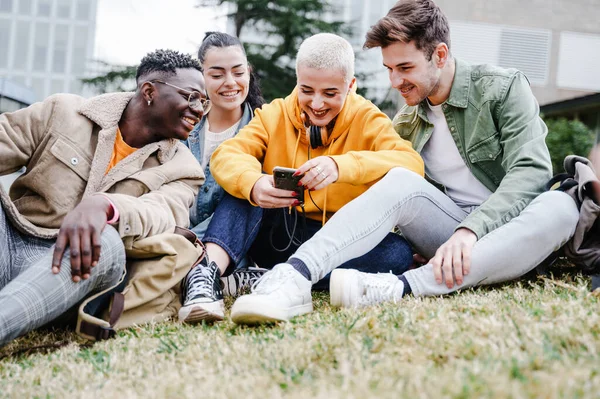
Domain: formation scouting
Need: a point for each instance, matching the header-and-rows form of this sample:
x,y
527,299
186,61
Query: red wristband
x,y
113,208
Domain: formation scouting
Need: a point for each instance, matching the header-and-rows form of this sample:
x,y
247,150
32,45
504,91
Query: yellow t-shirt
x,y
120,151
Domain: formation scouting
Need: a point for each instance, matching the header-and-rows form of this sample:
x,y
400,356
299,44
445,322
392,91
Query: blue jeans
x,y
240,229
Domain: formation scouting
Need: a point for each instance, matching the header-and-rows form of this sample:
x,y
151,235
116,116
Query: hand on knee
x,y
452,261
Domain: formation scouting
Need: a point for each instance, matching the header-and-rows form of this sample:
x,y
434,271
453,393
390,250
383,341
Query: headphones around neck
x,y
315,135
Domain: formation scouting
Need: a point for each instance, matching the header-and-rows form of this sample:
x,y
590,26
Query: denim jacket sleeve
x,y
525,159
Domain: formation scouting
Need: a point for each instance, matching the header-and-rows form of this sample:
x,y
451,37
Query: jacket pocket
x,y
139,183
62,174
149,178
485,150
486,156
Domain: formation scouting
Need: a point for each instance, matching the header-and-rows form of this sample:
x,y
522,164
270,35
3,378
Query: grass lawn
x,y
533,338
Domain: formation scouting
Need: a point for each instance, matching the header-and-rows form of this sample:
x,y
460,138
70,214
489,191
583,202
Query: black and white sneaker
x,y
202,294
241,280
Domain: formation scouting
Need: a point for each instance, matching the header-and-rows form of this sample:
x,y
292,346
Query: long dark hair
x,y
220,40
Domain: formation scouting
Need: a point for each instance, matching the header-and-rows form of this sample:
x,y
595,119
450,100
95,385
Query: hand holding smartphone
x,y
284,179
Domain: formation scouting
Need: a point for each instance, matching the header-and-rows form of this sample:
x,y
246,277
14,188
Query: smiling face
x,y
170,114
321,93
415,77
227,77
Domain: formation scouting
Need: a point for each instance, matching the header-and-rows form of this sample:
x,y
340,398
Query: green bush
x,y
566,137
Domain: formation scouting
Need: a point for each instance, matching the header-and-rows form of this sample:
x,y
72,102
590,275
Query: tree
x,y
285,23
117,78
567,137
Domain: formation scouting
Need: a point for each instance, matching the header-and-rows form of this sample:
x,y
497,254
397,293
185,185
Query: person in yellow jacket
x,y
351,146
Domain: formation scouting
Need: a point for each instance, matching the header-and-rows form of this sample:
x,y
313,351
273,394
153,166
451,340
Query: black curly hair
x,y
220,40
165,61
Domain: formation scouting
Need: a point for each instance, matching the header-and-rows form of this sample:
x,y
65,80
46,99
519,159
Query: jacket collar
x,y
106,110
461,86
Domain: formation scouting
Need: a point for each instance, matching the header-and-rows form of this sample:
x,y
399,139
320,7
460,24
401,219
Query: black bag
x,y
581,183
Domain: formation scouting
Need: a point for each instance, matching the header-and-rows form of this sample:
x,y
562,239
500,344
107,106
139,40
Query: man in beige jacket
x,y
101,174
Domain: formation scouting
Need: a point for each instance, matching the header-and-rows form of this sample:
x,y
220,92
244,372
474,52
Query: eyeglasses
x,y
195,99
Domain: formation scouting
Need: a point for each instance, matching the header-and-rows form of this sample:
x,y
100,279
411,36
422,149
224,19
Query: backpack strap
x,y
90,324
98,314
565,181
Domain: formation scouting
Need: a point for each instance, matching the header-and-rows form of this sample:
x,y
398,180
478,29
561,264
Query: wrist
x,y
466,233
111,211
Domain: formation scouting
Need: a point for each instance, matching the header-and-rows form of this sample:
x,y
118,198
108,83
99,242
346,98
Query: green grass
x,y
538,338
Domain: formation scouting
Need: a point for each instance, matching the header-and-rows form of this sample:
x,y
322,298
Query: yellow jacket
x,y
363,144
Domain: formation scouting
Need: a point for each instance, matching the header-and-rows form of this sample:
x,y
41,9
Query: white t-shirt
x,y
444,164
213,140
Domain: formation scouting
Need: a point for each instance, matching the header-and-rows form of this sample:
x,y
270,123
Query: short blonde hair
x,y
327,51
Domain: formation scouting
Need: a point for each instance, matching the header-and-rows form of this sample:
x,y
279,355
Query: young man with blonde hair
x,y
482,140
351,145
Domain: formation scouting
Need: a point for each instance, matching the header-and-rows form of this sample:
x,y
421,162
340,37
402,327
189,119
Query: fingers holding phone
x,y
266,195
318,173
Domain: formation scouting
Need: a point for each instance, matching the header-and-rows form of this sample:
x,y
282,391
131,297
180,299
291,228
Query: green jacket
x,y
494,120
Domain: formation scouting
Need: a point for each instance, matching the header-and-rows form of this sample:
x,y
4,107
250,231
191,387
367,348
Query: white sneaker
x,y
350,288
279,295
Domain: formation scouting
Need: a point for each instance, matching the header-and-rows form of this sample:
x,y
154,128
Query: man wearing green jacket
x,y
479,217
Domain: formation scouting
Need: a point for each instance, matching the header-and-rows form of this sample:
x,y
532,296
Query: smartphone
x,y
284,179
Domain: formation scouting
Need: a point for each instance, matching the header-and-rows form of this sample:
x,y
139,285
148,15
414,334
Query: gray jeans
x,y
30,295
427,218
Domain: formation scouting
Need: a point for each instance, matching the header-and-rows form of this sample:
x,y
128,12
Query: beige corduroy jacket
x,y
66,143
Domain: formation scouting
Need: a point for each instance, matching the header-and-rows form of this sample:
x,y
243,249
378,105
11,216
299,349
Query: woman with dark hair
x,y
234,94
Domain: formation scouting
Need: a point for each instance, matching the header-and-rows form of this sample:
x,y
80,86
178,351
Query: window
x,y
63,9
57,86
578,61
79,56
5,24
83,10
39,87
24,7
76,86
44,8
61,39
356,16
40,49
22,45
6,5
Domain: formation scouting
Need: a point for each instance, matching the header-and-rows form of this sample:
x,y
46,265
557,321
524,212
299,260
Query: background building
x,y
556,43
46,44
14,96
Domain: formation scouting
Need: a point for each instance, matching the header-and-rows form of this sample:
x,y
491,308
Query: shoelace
x,y
377,289
201,281
271,280
247,277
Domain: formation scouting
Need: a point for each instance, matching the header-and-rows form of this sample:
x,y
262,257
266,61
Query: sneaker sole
x,y
342,288
251,313
199,312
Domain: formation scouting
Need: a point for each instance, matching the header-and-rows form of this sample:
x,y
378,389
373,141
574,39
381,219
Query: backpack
x,y
580,181
149,289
